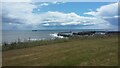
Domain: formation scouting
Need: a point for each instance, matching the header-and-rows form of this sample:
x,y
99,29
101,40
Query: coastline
x,y
29,43
79,51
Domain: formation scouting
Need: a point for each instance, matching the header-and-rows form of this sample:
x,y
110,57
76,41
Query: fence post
x,y
19,40
29,39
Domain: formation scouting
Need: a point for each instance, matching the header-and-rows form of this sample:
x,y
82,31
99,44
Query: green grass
x,y
84,51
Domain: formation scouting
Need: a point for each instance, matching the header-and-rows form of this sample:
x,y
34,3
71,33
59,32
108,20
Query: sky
x,y
59,15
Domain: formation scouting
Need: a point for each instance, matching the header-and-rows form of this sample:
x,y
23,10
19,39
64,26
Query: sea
x,y
9,36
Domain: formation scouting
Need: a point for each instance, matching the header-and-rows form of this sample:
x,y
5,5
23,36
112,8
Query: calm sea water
x,y
12,36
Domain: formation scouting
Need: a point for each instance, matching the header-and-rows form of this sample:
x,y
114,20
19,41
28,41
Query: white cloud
x,y
108,13
57,2
110,10
40,4
22,13
15,0
44,4
19,10
58,18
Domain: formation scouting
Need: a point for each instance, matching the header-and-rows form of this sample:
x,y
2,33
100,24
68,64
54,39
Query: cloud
x,y
108,13
57,2
44,4
15,0
17,11
22,13
21,16
110,10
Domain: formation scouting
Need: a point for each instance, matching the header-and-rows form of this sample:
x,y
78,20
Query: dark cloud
x,y
10,20
112,21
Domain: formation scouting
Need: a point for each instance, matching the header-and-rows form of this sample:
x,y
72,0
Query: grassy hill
x,y
99,51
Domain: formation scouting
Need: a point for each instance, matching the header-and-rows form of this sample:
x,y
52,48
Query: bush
x,y
18,45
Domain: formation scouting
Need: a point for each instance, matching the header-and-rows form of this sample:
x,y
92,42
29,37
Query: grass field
x,y
101,51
